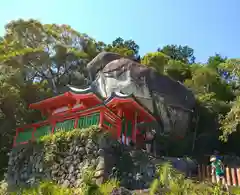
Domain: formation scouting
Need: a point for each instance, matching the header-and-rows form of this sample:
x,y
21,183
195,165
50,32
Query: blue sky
x,y
208,26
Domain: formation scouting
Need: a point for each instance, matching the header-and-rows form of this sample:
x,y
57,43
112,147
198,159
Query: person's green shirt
x,y
217,164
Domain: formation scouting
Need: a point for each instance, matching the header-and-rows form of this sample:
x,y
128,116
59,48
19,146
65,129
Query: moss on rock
x,y
65,156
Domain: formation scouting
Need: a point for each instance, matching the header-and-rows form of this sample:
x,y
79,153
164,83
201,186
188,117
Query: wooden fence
x,y
232,175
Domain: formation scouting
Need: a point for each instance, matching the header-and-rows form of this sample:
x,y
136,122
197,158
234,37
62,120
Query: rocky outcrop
x,y
65,160
169,100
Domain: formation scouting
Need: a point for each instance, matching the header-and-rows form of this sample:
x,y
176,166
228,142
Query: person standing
x,y
218,170
217,154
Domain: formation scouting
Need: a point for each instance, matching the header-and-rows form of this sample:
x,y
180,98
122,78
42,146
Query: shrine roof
x,y
132,103
87,93
81,91
85,96
53,102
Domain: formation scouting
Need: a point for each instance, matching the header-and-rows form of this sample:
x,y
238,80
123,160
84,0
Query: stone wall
x,y
64,158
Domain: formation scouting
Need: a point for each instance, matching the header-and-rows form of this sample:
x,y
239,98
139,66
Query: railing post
x,y
234,181
199,173
203,172
213,178
53,127
228,176
208,173
76,122
33,132
15,138
238,176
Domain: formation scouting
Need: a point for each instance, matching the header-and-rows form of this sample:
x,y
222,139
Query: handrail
x,y
51,123
113,120
232,175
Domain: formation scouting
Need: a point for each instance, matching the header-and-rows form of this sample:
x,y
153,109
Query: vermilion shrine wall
x,y
119,115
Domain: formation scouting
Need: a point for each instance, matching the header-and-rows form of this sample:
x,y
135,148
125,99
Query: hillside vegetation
x,y
38,60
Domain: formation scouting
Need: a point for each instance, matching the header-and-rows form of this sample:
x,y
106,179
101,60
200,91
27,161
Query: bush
x,y
88,187
51,188
171,182
3,188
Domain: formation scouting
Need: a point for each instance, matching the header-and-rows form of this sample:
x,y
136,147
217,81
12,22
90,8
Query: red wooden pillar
x,y
33,132
119,129
76,122
134,127
125,132
101,118
53,126
15,138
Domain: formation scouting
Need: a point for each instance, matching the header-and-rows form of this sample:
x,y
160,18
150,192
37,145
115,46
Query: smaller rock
x,y
66,183
99,173
101,152
79,175
81,151
94,162
71,169
101,163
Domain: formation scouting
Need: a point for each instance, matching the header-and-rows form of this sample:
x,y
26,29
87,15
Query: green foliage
x,y
48,188
178,70
235,190
171,182
156,60
215,61
126,48
89,187
230,122
184,54
38,60
107,187
60,140
3,187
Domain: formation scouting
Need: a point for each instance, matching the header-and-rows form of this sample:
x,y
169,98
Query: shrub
x,y
171,182
3,188
89,187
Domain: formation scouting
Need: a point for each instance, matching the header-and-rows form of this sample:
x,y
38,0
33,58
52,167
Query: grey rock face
x,y
67,168
169,100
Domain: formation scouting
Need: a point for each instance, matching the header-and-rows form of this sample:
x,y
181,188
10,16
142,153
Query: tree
x,y
230,122
178,70
128,44
177,52
156,60
38,60
47,52
202,79
127,48
215,61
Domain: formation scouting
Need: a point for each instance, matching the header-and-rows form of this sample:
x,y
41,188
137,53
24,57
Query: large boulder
x,y
168,100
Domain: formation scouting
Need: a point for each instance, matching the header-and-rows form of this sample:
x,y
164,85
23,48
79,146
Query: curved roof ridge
x,y
79,90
